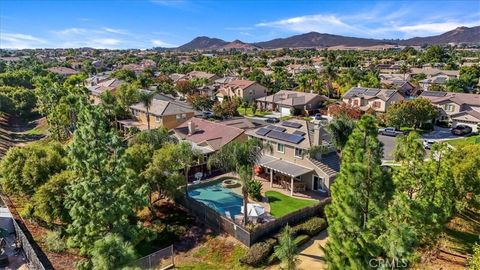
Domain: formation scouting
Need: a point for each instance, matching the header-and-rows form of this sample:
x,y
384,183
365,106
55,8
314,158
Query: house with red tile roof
x,y
206,137
244,89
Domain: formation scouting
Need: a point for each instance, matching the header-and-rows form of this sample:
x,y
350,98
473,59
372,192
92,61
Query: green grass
x,y
285,118
463,141
281,204
241,111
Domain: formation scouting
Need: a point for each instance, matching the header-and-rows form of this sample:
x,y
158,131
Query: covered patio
x,y
284,174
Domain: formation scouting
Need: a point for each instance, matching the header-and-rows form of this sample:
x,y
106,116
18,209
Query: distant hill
x,y
314,39
203,43
458,35
238,45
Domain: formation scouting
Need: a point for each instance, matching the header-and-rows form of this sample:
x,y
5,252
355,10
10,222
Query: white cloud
x,y
309,23
432,28
159,43
20,41
71,31
115,31
378,23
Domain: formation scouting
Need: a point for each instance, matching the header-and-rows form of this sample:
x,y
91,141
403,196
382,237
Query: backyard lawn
x,y
281,204
464,141
241,111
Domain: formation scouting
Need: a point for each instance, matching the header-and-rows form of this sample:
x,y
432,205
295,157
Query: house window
x,y
376,104
355,102
180,117
280,147
158,119
135,112
298,152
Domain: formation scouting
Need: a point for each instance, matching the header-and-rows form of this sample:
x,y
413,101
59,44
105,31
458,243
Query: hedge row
x,y
261,253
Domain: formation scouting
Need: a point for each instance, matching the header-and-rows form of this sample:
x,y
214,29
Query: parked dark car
x,y
390,131
318,116
272,120
461,130
207,115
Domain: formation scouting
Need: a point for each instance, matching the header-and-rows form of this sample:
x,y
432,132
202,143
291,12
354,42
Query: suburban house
x,y
287,163
206,137
458,108
202,75
284,100
97,86
386,78
406,88
434,76
63,71
244,89
175,77
372,98
168,114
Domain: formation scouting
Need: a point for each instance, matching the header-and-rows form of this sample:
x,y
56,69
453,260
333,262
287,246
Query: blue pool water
x,y
222,200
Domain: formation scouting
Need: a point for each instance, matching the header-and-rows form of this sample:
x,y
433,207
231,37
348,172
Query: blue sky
x,y
168,23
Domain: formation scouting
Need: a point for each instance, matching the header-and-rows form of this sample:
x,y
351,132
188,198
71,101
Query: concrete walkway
x,y
311,256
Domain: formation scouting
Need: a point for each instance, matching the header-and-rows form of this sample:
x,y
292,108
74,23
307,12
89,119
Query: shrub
x,y
54,242
311,227
301,239
258,253
254,189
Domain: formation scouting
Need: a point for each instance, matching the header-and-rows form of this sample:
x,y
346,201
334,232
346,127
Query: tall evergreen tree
x,y
105,195
360,194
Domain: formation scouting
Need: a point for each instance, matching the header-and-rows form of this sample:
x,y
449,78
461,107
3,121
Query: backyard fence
x,y
161,259
219,223
36,258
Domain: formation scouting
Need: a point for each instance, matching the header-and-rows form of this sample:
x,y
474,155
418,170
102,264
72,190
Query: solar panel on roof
x,y
262,131
291,124
298,132
433,94
372,92
272,127
282,136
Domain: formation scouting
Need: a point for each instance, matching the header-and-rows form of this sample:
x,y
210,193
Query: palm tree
x,y
146,99
404,69
287,250
187,156
239,158
341,127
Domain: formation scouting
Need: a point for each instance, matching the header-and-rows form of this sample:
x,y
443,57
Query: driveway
x,y
389,144
440,134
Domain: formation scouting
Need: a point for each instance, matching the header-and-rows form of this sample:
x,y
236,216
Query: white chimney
x,y
191,128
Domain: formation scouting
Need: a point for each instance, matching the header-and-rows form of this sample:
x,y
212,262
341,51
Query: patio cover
x,y
282,166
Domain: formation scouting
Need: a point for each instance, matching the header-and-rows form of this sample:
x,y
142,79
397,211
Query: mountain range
x,y
320,40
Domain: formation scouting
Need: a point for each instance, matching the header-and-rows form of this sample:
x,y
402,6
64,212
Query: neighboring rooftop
x,y
291,98
206,135
162,107
458,98
369,93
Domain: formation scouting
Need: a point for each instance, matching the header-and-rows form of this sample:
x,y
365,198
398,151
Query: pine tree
x,y
360,194
105,194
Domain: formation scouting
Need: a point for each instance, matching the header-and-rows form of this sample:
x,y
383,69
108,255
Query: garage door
x,y
285,111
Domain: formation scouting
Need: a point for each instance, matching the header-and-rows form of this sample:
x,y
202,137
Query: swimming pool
x,y
223,200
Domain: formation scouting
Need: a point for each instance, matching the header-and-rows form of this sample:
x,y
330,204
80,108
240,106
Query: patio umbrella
x,y
254,210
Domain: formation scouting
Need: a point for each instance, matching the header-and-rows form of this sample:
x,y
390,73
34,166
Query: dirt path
x,y
15,131
311,256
